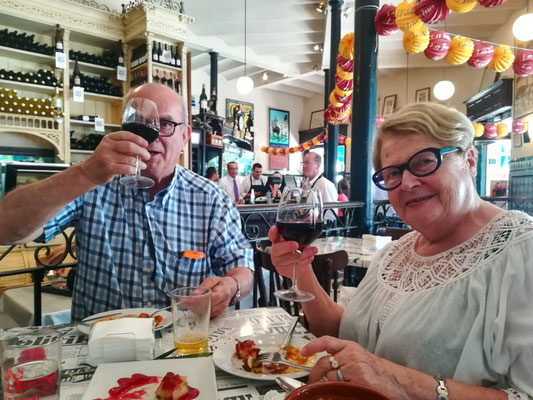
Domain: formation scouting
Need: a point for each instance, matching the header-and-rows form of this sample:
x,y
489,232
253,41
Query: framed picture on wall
x,y
389,104
317,119
422,95
517,140
279,126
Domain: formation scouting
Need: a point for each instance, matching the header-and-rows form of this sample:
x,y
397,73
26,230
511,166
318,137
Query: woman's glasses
x,y
423,163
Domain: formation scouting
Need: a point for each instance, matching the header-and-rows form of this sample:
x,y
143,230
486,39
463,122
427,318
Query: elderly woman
x,y
447,309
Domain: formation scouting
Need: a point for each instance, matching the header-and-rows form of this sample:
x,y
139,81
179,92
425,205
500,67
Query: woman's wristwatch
x,y
442,391
237,296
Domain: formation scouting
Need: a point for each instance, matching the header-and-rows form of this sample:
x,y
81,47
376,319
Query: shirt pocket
x,y
182,271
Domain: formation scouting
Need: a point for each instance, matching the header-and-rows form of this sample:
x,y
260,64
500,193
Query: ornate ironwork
x,y
69,250
98,6
168,4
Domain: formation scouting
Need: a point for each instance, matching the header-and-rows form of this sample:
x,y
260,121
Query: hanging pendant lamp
x,y
245,84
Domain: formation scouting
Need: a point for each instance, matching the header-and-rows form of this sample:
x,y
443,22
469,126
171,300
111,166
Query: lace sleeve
x,y
513,394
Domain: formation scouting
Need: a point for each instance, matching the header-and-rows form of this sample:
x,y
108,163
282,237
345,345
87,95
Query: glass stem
x,y
294,287
137,168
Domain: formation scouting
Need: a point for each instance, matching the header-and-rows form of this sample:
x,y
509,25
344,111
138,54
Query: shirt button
x,y
149,304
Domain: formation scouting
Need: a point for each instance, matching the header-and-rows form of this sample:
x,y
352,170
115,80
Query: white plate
x,y
225,358
200,374
167,317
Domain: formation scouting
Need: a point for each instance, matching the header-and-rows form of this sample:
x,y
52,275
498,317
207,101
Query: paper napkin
x,y
372,242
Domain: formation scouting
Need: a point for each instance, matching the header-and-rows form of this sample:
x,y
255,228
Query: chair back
x,y
327,267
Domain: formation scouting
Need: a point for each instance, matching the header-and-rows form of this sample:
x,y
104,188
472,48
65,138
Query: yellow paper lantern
x,y
343,74
346,46
502,59
343,93
502,129
270,150
461,6
406,19
479,129
416,41
287,151
306,146
460,51
348,141
333,100
264,149
315,141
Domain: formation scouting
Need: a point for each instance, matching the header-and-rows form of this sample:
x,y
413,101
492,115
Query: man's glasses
x,y
309,162
423,163
167,127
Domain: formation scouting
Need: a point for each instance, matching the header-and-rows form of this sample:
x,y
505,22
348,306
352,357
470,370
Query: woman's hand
x,y
284,255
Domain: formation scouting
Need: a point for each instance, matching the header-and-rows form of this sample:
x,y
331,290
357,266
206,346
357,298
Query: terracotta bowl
x,y
336,391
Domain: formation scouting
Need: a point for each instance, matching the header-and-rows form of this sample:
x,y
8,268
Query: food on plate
x,y
158,318
141,387
249,354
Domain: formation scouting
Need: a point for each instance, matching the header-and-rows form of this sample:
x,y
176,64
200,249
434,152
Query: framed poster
x,y
279,127
517,140
389,104
240,110
317,119
422,95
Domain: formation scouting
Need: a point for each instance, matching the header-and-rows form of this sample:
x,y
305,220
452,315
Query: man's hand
x,y
115,155
223,288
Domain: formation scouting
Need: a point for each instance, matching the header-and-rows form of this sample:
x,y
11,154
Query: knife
x,y
288,337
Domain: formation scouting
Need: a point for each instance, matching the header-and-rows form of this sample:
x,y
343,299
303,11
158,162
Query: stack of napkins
x,y
372,242
126,339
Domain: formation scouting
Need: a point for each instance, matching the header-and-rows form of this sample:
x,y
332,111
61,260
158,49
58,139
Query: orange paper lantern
x,y
406,19
503,58
461,50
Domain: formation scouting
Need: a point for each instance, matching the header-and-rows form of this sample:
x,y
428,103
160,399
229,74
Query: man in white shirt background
x,y
255,181
231,183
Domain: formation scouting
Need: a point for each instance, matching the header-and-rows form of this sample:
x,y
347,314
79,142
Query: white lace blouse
x,y
465,314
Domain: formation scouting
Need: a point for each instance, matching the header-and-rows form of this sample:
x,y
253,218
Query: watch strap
x,y
237,296
442,391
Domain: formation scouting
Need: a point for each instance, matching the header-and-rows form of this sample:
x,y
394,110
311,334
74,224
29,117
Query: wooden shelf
x,y
88,67
28,86
101,97
165,66
78,151
8,52
139,67
89,123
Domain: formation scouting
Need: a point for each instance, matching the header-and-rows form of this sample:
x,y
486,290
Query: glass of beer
x,y
31,364
191,311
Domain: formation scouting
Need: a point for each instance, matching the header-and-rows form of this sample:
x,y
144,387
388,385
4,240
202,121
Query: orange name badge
x,y
195,255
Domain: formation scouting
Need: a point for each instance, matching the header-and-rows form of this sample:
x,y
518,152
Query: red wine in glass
x,y
148,133
302,232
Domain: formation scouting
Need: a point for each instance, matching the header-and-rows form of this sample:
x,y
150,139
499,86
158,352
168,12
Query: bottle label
x,y
59,46
165,56
203,104
61,60
121,73
77,81
99,124
121,60
78,94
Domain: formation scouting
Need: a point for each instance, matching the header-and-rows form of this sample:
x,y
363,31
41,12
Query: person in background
x,y
343,188
314,179
274,183
445,311
132,243
255,181
231,184
212,174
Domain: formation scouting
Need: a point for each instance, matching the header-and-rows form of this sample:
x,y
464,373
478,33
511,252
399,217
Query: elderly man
x,y
231,184
315,180
212,174
255,181
132,242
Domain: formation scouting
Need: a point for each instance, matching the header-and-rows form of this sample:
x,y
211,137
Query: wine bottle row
x,y
138,78
170,80
23,41
139,55
11,103
89,142
109,58
99,85
163,55
41,77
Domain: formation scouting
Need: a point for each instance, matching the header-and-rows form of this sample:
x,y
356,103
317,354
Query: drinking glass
x,y
31,364
299,219
191,311
140,117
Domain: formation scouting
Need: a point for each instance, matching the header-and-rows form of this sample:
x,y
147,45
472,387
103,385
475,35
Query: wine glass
x,y
299,219
140,116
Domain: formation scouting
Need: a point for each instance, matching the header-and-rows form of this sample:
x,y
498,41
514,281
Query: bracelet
x,y
442,392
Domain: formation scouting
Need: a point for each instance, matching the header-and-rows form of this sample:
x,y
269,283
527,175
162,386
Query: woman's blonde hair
x,y
445,125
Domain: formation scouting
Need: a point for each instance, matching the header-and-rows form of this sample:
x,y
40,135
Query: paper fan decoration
x,y
385,20
483,53
439,44
502,129
342,84
461,6
491,3
346,47
518,126
406,19
461,50
416,41
523,62
478,130
490,131
431,11
503,58
346,64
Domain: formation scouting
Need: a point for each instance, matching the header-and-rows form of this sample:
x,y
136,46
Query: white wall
x,y
262,99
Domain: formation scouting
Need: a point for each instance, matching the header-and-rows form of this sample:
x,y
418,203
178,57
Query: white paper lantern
x,y
523,27
245,85
443,90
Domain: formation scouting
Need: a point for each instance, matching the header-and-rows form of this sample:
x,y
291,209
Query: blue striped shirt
x,y
130,249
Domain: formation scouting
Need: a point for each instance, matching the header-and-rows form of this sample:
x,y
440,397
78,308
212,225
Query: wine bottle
x,y
172,56
159,53
164,59
177,83
178,59
156,76
57,104
154,52
213,101
164,78
76,75
170,82
120,54
203,100
59,39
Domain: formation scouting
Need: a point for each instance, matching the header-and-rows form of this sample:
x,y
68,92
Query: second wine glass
x,y
299,219
140,116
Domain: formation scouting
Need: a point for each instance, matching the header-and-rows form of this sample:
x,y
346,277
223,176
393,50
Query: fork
x,y
276,358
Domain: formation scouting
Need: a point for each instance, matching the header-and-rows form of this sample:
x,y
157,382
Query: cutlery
x,y
268,357
99,317
276,358
288,384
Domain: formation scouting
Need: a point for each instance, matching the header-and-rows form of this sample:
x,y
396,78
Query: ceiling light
x,y
347,11
523,27
265,76
321,7
245,84
318,47
443,90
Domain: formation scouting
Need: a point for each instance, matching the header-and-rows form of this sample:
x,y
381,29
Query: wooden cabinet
x,y
91,30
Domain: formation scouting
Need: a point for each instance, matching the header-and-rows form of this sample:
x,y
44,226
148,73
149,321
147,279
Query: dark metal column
x,y
333,130
364,110
214,72
481,178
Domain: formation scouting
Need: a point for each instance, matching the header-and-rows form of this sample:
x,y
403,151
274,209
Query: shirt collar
x,y
315,179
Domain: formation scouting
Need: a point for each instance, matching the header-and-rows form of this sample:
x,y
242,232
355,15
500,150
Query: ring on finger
x,y
340,377
334,363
